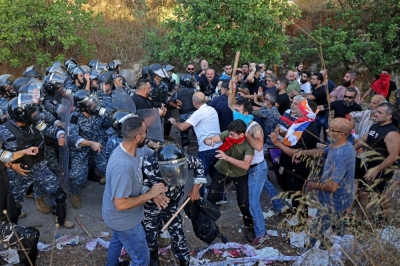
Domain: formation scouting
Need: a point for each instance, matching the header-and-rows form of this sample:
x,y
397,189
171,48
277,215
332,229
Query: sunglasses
x,y
349,97
190,69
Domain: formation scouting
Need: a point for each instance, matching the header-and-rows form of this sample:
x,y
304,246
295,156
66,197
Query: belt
x,y
254,165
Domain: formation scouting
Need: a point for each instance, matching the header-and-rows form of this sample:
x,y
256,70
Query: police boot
x,y
67,223
154,260
76,201
21,213
41,206
103,180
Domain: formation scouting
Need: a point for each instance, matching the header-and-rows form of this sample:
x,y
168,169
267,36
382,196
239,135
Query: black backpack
x,y
203,215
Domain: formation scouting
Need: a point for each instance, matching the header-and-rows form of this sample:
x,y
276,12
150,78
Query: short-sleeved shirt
x,y
124,179
293,86
320,98
340,91
339,167
340,109
205,124
284,102
237,151
365,122
141,102
305,87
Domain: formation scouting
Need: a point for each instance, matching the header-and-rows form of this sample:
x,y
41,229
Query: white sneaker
x,y
223,201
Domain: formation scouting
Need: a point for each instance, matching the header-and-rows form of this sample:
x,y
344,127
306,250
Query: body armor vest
x,y
26,137
185,96
158,94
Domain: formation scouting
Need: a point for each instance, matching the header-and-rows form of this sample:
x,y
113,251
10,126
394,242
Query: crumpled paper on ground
x,y
43,247
10,256
293,221
91,244
67,240
268,214
265,255
297,239
272,232
391,234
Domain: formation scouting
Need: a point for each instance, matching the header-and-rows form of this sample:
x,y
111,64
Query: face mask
x,y
245,118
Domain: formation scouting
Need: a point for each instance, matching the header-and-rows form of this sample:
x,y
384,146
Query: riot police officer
x,y
7,92
24,129
183,99
80,80
87,127
169,165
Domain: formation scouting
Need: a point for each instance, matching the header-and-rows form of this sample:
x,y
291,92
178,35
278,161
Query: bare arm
x,y
310,97
244,164
362,142
210,141
329,186
392,141
365,95
274,139
122,204
250,77
232,95
255,137
181,126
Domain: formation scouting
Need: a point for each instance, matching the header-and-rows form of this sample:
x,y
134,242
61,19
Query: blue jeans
x,y
325,218
321,122
208,159
134,241
257,177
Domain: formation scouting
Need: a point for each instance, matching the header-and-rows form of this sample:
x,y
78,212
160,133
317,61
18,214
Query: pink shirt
x,y
339,93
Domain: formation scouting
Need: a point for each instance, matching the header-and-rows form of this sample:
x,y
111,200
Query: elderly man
x,y
294,87
200,74
336,186
205,124
302,134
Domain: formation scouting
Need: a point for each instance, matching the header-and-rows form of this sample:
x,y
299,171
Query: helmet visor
x,y
175,172
28,99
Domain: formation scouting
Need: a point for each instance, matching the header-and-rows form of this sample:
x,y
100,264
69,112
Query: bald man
x,y
294,87
336,186
365,118
205,124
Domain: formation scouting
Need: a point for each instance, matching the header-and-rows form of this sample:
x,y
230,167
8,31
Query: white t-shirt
x,y
305,88
205,124
258,155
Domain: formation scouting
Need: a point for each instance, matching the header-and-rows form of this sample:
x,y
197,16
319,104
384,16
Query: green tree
x,y
215,30
39,31
361,32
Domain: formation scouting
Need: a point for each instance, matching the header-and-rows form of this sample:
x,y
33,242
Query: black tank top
x,y
376,141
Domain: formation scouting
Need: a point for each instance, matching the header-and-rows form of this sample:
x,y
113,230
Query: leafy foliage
x,y
215,30
361,32
41,30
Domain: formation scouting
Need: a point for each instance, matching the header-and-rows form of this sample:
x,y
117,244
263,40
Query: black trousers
x,y
218,183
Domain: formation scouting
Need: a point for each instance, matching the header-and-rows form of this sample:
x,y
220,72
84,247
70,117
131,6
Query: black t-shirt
x,y
141,102
320,98
253,87
341,110
376,141
208,88
284,102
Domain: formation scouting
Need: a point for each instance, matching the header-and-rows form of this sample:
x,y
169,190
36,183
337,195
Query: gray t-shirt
x,y
124,179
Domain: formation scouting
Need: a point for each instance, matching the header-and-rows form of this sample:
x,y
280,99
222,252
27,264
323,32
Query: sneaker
x,y
250,234
223,201
30,195
259,240
22,215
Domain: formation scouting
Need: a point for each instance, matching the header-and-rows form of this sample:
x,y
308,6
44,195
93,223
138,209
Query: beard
x,y
346,83
303,81
348,104
141,144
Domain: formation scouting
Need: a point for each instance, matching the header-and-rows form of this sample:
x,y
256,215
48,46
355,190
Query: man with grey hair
x,y
343,107
270,81
200,74
294,87
347,82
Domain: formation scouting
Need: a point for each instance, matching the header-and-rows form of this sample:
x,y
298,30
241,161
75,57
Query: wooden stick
x,y
176,214
84,229
236,63
18,239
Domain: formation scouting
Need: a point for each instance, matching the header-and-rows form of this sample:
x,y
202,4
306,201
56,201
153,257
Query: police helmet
x,y
145,72
21,110
113,65
157,70
19,82
6,85
89,103
77,71
187,81
118,118
30,72
70,61
92,63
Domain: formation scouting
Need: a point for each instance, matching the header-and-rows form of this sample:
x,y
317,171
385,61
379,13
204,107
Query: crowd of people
x,y
85,122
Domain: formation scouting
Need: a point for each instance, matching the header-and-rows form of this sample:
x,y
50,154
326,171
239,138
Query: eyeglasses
x,y
349,97
190,68
336,131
